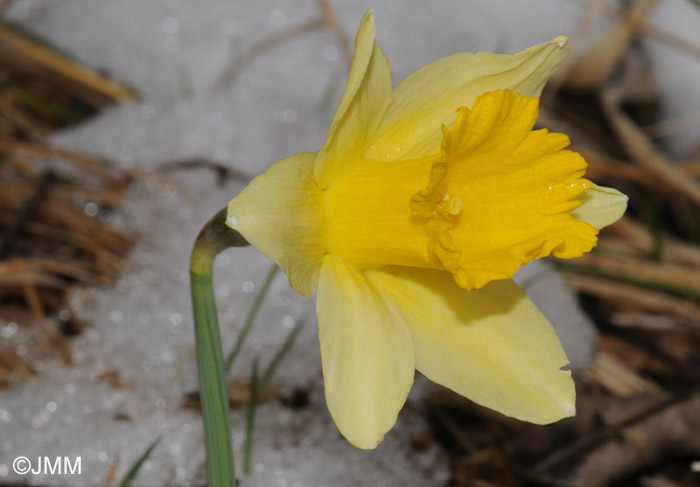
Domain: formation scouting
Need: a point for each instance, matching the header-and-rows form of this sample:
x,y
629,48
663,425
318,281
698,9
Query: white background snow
x,y
174,53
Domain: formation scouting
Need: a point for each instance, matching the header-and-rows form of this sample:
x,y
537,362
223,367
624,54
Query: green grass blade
x,y
250,415
136,466
250,319
281,353
257,385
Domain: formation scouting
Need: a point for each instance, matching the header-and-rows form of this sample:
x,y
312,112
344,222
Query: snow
x,y
174,53
676,72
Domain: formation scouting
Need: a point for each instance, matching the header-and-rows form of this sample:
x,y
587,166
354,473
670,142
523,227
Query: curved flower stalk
x,y
409,223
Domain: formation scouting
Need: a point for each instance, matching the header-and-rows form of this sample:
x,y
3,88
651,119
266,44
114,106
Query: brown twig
x,y
29,57
691,167
35,305
595,66
331,17
669,277
602,166
642,320
26,213
667,428
643,151
628,295
92,165
619,378
586,442
229,75
638,238
594,12
223,173
668,38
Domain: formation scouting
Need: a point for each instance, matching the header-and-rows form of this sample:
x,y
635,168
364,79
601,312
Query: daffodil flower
x,y
409,223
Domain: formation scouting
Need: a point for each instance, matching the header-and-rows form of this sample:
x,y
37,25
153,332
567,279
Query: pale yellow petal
x,y
365,99
428,98
366,353
491,345
282,213
600,206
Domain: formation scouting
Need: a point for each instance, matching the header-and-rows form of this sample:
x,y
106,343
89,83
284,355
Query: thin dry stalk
x,y
594,12
17,118
101,246
233,71
691,167
602,166
618,378
645,153
638,444
646,321
63,214
11,277
74,269
669,38
106,197
673,126
331,17
595,66
638,238
630,296
28,57
91,165
671,277
31,295
82,242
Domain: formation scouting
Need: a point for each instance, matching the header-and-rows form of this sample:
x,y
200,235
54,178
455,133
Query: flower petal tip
x,y
365,445
232,221
569,410
600,206
560,40
367,20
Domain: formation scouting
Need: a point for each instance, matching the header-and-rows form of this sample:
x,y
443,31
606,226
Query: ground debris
x,y
55,204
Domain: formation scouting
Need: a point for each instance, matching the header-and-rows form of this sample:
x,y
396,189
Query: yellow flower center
x,y
495,197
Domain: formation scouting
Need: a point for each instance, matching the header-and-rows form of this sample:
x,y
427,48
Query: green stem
x,y
214,237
